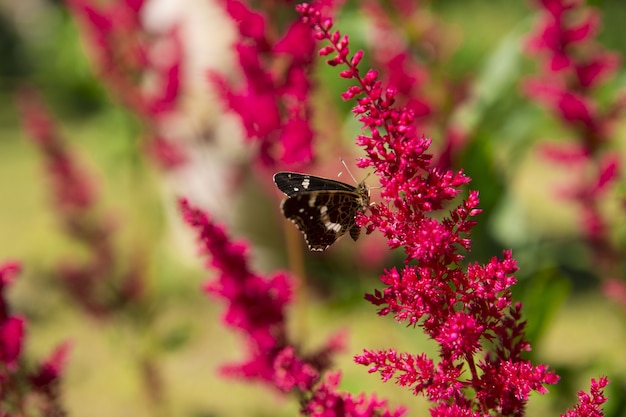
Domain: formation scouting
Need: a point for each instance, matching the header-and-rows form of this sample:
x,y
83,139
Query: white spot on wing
x,y
306,182
335,227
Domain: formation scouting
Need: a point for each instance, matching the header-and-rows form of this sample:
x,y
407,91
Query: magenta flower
x,y
256,306
19,385
115,34
409,47
75,200
469,312
71,186
563,26
120,45
574,65
326,402
589,405
272,99
391,52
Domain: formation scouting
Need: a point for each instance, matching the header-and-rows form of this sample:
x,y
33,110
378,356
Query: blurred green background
x,y
572,327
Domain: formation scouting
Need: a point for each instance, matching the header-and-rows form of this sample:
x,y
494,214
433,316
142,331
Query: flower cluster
x,y
257,307
391,52
409,46
589,405
272,99
469,313
124,59
75,202
573,67
21,387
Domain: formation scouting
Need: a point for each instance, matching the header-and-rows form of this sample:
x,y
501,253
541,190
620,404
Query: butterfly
x,y
322,209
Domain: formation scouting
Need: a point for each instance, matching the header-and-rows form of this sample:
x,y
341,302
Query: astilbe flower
x,y
573,67
480,370
393,50
22,386
408,46
89,283
589,405
124,56
273,96
256,306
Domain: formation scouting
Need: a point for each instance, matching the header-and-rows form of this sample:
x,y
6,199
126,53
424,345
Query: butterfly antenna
x,y
348,169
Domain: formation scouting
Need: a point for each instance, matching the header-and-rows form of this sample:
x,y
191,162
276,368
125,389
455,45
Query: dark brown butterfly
x,y
322,209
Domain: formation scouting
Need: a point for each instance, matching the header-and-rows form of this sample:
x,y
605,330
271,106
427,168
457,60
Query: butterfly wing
x,y
323,216
292,183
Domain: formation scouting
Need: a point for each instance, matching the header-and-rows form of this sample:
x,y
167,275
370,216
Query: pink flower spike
x,y
256,306
328,402
589,405
470,313
568,33
276,62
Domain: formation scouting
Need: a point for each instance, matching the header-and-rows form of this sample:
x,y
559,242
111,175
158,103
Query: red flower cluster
x,y
121,49
89,283
256,306
574,67
326,402
390,50
589,405
19,385
273,97
469,313
409,47
71,188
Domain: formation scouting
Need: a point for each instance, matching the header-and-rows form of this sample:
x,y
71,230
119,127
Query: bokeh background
x,y
572,324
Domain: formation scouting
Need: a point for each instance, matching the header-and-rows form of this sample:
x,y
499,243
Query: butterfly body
x,y
322,209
